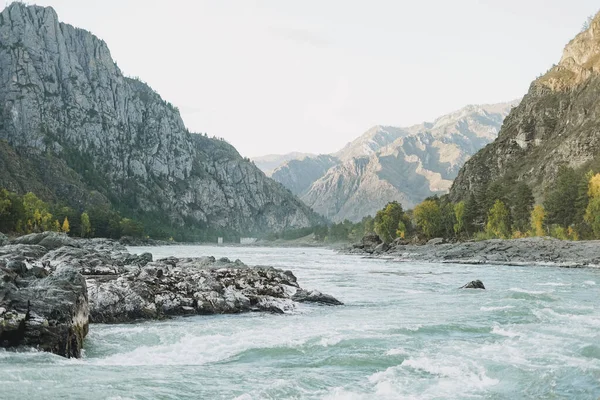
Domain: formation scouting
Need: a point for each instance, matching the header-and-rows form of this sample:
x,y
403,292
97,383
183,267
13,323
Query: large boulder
x,y
371,239
49,313
474,285
49,240
314,296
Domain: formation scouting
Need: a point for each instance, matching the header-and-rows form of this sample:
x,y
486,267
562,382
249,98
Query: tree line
x,y
24,214
502,209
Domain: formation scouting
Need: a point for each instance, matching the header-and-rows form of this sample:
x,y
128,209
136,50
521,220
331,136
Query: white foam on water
x,y
589,283
557,284
519,290
505,332
397,352
498,308
330,341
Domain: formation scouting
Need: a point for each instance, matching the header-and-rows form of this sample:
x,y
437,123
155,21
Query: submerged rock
x,y
49,313
474,285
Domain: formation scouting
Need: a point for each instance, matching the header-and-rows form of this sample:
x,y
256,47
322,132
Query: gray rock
x,y
49,240
314,296
381,248
474,285
50,313
436,241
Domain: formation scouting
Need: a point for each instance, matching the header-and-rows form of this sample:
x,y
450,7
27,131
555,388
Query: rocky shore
x,y
529,251
52,287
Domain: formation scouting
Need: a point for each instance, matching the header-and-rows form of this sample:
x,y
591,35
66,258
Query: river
x,y
405,332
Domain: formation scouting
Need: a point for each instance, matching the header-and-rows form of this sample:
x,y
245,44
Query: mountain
x,y
73,128
557,123
270,162
388,163
299,175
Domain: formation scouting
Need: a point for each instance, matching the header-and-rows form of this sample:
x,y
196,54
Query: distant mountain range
x,y
389,163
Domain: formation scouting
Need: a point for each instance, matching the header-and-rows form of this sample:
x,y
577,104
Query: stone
x,y
474,285
314,296
49,313
49,240
436,241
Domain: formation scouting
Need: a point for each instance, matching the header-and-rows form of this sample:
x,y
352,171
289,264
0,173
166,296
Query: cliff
x,y
83,132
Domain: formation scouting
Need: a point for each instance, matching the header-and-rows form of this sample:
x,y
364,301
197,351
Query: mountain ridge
x,y
62,97
390,163
556,124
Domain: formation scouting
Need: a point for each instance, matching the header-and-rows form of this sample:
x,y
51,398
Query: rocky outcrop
x,y
529,251
74,128
46,311
3,239
49,240
48,296
556,124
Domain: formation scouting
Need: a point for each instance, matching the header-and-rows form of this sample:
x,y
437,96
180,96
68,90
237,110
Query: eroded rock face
x,y
45,311
3,239
556,124
78,130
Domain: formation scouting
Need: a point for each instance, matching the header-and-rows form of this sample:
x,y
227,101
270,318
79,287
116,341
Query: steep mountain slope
x,y
299,175
370,142
64,103
557,123
422,161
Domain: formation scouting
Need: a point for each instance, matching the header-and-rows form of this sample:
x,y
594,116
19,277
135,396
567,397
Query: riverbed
x,y
405,332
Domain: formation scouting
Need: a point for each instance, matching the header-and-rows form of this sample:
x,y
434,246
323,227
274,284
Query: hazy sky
x,y
276,76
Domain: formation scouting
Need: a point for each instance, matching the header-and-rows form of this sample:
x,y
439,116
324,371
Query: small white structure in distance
x,y
220,240
248,240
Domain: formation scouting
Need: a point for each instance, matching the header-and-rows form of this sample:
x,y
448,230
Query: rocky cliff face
x,y
64,100
557,123
387,163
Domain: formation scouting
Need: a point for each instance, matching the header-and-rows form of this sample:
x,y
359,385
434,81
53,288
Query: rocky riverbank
x,y
537,251
53,286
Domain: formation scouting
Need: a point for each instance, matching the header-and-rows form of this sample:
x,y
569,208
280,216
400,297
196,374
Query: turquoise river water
x,y
405,332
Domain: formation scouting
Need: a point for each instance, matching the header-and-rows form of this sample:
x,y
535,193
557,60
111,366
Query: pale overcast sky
x,y
275,76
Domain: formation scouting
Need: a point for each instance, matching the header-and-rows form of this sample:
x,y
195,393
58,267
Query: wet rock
x,y
314,296
371,239
474,285
381,248
49,240
49,313
22,251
